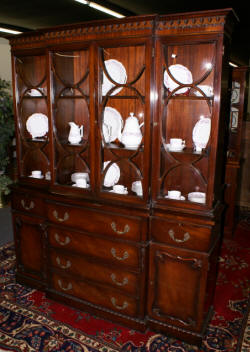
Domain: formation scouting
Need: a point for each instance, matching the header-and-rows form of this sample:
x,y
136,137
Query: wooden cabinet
x,y
117,126
234,152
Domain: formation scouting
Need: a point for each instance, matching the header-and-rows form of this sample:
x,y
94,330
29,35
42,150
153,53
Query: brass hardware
x,y
66,241
65,217
69,287
125,254
124,306
126,229
27,207
62,266
123,283
185,238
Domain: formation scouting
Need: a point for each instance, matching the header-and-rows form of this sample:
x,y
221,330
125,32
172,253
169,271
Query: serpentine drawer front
x,y
88,269
181,234
110,224
28,203
97,295
116,252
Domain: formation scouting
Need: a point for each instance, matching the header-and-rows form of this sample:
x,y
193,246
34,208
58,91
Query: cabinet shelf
x,y
121,147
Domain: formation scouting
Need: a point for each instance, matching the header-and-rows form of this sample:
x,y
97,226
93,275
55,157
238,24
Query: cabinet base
x,y
29,282
191,337
102,313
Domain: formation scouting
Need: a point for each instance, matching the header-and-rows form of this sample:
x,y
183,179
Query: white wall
x,y
5,60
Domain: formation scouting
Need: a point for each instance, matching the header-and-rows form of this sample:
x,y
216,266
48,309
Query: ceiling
x,y
37,14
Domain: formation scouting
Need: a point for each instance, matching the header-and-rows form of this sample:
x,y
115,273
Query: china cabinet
x,y
234,152
118,200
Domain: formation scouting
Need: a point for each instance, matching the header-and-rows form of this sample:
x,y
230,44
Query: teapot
x,y
75,133
131,135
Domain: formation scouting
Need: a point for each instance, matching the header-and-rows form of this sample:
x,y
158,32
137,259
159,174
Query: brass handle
x,y
62,266
69,287
65,217
124,306
125,254
185,238
126,229
66,241
123,283
27,207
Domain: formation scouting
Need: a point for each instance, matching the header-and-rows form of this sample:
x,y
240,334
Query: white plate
x,y
112,175
234,114
181,74
112,124
201,132
39,177
117,72
235,96
125,192
198,197
37,125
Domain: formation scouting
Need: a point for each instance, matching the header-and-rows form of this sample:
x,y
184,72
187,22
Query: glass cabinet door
x,y
32,116
124,121
186,83
71,119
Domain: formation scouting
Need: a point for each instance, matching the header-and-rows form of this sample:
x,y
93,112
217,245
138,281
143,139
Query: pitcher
x,y
75,133
131,135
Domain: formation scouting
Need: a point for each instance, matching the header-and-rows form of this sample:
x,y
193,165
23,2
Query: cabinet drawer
x,y
113,251
89,270
181,234
28,203
109,224
101,296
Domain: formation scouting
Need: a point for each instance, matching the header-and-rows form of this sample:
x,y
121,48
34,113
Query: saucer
x,y
181,198
75,185
126,192
38,177
171,149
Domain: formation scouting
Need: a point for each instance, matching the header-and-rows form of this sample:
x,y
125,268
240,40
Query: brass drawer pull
x,y
69,287
125,254
124,306
62,266
66,241
27,207
123,283
126,229
65,217
185,238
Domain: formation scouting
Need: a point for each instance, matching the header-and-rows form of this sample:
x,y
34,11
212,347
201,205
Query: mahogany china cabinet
x,y
234,152
117,209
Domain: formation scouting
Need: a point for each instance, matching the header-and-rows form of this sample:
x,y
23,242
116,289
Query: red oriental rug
x,y
29,322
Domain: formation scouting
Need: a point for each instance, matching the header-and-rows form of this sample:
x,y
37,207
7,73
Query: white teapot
x,y
75,133
131,135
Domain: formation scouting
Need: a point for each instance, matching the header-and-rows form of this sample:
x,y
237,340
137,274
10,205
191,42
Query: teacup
x,y
174,194
36,173
119,189
176,143
77,175
81,182
35,92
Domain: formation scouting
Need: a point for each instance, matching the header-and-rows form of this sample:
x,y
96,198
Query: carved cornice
x,y
84,31
177,25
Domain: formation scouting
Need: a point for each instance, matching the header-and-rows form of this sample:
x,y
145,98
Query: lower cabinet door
x,y
29,240
177,285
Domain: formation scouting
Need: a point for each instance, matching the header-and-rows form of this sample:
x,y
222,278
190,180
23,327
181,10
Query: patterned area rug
x,y
29,322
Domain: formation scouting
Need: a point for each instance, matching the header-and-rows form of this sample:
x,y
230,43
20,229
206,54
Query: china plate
x,y
117,72
37,125
112,175
75,185
112,125
181,74
201,132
